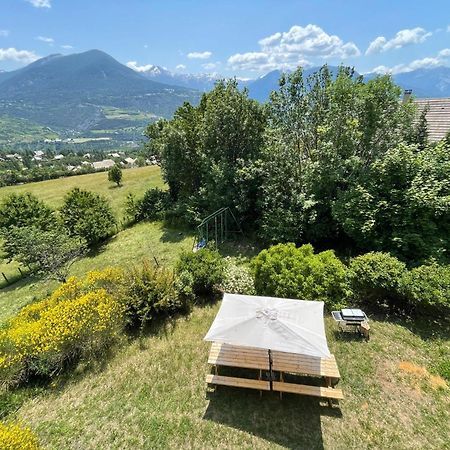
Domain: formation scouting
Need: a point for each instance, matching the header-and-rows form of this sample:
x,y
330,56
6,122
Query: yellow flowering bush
x,y
14,436
77,320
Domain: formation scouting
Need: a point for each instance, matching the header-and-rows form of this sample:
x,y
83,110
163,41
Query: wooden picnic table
x,y
278,362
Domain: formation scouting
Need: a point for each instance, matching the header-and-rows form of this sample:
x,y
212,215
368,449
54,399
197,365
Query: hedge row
x,y
374,279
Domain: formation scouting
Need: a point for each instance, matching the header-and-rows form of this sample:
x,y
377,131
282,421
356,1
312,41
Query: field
x,y
150,393
135,181
22,130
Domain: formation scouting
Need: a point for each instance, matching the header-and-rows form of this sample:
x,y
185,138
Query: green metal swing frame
x,y
216,227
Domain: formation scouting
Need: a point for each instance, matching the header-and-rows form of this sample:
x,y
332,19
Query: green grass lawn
x,y
135,181
151,394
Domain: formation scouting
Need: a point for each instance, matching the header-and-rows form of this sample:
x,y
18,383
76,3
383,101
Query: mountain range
x,y
433,82
72,92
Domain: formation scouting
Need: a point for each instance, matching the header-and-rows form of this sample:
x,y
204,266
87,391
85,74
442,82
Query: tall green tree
x,y
115,174
206,151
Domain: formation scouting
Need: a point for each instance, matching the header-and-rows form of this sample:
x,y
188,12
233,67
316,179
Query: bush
x,y
14,436
376,279
150,292
427,287
286,271
152,206
206,268
78,320
87,215
21,210
237,279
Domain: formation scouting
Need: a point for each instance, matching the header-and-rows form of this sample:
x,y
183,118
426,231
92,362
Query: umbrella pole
x,y
270,371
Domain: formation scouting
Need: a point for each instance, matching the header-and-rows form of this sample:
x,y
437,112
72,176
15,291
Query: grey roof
x,y
438,116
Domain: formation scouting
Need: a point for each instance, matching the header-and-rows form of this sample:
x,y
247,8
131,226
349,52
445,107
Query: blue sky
x,y
244,38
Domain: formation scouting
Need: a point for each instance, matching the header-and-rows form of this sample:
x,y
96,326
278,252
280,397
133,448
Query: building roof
x,y
438,116
105,164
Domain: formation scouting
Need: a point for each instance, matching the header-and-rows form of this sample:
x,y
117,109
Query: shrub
x,y
284,270
87,215
206,268
14,436
237,279
376,279
427,287
150,207
21,210
78,320
149,292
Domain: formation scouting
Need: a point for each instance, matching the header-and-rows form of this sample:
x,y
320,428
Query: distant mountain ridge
x,y
70,91
432,83
203,82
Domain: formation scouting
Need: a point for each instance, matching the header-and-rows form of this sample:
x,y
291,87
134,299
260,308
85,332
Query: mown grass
x,y
135,181
152,394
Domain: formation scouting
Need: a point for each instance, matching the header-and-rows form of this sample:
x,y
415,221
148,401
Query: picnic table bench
x,y
274,361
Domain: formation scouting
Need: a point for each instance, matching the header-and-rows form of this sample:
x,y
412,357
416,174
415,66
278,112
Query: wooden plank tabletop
x,y
255,358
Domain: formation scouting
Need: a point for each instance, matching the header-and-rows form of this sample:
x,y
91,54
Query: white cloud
x,y
199,55
40,3
47,40
448,29
4,33
211,65
135,66
403,37
180,67
286,50
424,63
145,45
67,46
12,54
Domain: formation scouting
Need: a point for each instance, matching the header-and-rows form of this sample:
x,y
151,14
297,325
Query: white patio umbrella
x,y
286,325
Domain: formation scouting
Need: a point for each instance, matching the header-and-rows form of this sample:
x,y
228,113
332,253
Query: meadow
x,y
150,392
135,181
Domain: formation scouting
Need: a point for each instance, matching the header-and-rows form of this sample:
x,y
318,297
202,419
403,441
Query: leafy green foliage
x,y
427,287
376,279
284,270
149,293
87,215
152,206
402,204
49,253
323,134
206,268
21,210
205,150
115,174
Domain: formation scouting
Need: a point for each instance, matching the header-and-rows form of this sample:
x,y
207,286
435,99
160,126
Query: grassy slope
x,y
135,181
152,394
144,240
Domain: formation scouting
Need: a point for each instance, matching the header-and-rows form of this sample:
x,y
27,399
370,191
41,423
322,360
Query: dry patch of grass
x,y
420,373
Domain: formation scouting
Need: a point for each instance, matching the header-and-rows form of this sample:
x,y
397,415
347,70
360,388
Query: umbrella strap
x,y
270,371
